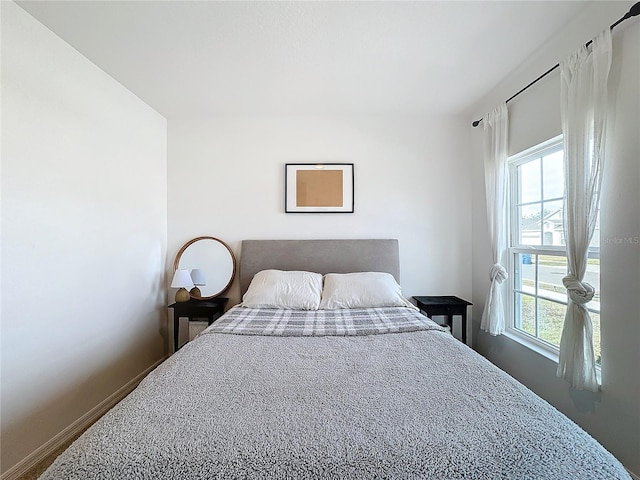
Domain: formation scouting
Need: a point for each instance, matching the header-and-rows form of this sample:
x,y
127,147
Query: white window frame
x,y
533,342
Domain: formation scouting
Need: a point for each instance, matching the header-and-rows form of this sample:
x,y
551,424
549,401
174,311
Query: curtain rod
x,y
633,11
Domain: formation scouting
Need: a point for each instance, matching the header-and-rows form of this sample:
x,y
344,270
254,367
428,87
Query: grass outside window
x,y
541,298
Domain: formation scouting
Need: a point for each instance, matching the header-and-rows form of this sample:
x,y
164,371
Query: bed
x,y
339,391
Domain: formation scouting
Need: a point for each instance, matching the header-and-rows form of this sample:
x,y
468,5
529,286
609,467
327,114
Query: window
x,y
537,253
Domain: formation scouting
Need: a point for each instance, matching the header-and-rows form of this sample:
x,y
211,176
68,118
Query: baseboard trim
x,y
75,428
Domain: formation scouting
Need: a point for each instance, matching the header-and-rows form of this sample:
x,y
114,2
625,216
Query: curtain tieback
x,y
498,273
579,292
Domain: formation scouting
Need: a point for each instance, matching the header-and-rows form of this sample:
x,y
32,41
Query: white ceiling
x,y
192,58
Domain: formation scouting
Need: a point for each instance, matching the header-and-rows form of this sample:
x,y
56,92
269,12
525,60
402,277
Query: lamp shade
x,y
197,276
181,279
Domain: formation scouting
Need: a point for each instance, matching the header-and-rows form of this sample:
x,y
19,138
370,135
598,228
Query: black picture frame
x,y
319,188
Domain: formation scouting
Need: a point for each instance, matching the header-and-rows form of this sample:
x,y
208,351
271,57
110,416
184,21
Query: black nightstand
x,y
447,306
209,309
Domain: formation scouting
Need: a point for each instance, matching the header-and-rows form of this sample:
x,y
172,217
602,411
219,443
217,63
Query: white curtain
x,y
495,177
584,116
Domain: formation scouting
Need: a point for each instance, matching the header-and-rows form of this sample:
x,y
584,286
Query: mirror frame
x,y
176,262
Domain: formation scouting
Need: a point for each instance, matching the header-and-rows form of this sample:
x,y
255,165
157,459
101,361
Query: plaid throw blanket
x,y
309,323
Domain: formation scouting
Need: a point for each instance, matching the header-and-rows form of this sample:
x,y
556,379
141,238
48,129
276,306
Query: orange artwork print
x,y
319,188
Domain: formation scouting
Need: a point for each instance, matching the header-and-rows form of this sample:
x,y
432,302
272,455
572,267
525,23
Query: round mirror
x,y
212,265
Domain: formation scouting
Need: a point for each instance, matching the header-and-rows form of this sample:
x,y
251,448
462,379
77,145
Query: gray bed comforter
x,y
340,403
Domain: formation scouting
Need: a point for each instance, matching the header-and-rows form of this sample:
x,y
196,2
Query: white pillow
x,y
361,290
284,289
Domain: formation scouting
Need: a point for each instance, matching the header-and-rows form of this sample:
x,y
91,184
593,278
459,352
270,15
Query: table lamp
x,y
197,277
182,280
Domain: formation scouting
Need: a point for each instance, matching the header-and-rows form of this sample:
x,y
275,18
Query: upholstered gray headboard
x,y
321,256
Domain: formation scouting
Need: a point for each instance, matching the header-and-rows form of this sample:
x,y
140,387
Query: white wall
x,y
83,235
226,179
613,415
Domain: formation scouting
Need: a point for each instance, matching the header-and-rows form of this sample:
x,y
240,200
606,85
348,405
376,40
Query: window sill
x,y
532,345
539,349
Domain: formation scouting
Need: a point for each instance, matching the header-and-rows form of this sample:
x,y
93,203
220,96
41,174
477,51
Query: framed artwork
x,y
318,188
